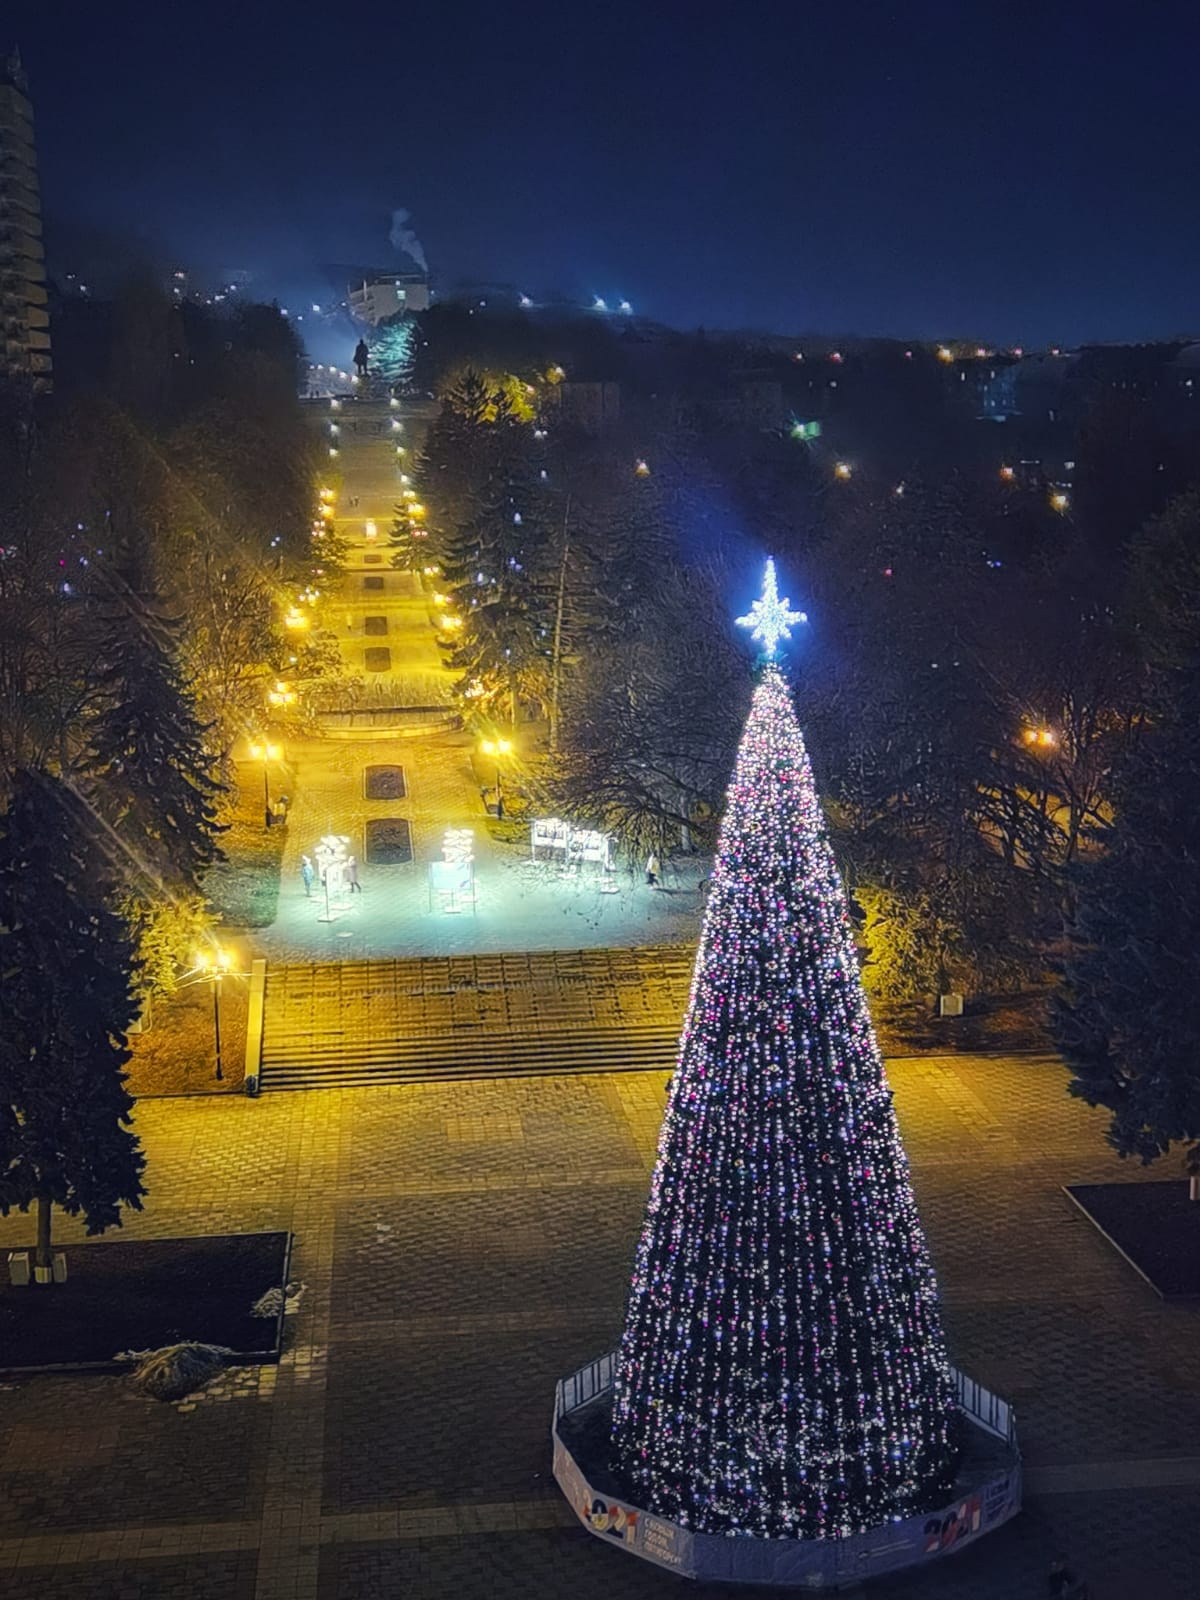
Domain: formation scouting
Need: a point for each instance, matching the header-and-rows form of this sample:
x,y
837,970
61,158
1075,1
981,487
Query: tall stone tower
x,y
24,320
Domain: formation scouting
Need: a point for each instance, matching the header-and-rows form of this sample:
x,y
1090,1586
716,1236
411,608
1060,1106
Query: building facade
x,y
24,319
374,300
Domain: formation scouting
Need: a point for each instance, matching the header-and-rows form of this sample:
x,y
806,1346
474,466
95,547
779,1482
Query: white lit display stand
x,y
452,879
551,839
332,855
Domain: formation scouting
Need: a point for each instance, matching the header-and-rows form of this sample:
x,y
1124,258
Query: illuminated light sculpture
x,y
770,618
781,1408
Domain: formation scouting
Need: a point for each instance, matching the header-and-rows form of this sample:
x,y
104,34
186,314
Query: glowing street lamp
x,y
497,748
843,470
265,752
1007,474
214,963
1059,501
295,619
642,469
1041,738
283,694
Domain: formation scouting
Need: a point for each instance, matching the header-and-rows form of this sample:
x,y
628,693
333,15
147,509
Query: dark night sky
x,y
1024,172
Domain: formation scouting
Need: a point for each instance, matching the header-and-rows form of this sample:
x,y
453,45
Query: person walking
x,y
352,875
361,357
307,874
652,870
1062,1584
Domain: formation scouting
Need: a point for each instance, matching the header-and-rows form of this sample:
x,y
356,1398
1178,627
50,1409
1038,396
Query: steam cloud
x,y
403,238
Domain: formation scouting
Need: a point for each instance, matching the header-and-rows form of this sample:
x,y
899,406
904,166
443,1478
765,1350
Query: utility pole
x,y
556,660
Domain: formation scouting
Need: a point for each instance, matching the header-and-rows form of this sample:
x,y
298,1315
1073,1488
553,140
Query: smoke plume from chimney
x,y
403,238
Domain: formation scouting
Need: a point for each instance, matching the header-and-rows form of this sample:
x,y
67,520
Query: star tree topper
x,y
770,619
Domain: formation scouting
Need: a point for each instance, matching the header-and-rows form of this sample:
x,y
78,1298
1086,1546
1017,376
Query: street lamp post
x,y
266,753
498,748
216,963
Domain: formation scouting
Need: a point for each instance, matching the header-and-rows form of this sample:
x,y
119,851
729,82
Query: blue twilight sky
x,y
1020,171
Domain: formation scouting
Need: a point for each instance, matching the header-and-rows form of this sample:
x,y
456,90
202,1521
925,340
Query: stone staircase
x,y
509,1015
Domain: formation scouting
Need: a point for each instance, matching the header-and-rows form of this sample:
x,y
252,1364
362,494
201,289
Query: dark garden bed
x,y
177,1053
384,783
244,887
1154,1226
143,1294
389,841
378,658
375,627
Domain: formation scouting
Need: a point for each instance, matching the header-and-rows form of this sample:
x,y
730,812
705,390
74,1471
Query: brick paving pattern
x,y
461,1246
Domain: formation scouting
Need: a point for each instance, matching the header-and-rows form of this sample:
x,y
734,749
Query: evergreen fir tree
x,y
782,1371
392,350
66,1001
1128,1014
152,772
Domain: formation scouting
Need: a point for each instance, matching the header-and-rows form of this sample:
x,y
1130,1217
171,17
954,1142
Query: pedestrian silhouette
x,y
361,356
1062,1583
352,875
306,873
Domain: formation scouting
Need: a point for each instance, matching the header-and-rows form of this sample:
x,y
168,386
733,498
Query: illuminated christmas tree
x,y
393,350
782,1371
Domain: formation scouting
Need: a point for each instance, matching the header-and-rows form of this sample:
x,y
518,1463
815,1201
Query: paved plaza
x,y
520,904
462,1246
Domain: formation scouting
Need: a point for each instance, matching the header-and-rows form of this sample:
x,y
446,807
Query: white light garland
x,y
782,1370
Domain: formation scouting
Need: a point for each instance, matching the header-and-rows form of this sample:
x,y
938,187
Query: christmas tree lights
x,y
782,1371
